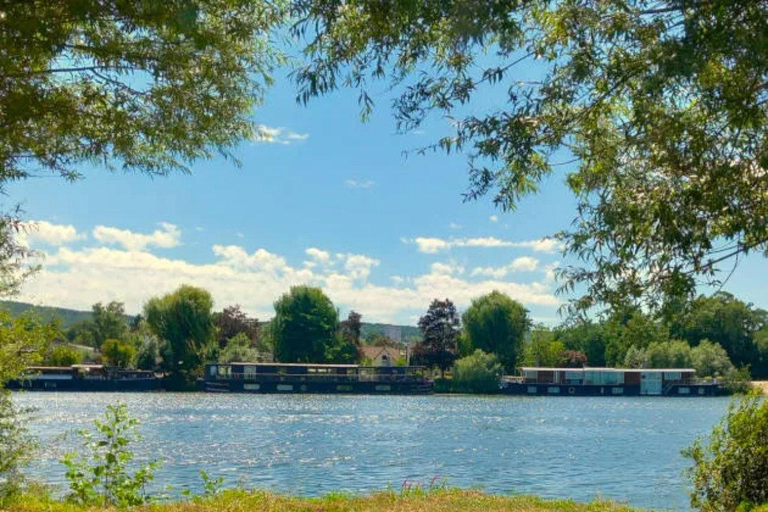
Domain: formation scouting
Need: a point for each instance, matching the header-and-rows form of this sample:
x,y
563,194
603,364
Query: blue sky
x,y
326,201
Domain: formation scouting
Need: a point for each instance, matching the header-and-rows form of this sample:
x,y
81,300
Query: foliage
x,y
730,470
23,342
724,319
411,498
630,328
656,110
109,322
710,360
103,476
148,353
239,349
495,323
351,328
477,373
440,328
118,353
574,358
63,355
16,446
585,336
543,349
182,319
233,321
150,88
304,326
343,351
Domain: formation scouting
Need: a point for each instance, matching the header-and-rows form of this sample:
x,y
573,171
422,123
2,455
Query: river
x,y
626,449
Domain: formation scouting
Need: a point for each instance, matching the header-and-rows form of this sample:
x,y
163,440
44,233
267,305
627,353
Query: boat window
x,y
553,390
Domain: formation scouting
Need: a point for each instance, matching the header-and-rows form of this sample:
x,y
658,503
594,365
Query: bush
x,y
118,353
239,349
731,471
477,373
16,446
710,360
102,477
62,355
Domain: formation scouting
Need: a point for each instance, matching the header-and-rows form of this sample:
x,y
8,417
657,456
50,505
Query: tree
x,y
585,336
239,349
352,327
304,326
182,319
148,353
711,360
477,373
62,355
109,322
657,111
543,349
730,472
118,353
724,319
630,328
148,87
440,328
497,324
233,321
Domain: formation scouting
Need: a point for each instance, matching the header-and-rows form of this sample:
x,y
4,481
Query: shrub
x,y
62,355
16,446
102,477
710,359
477,373
731,471
118,353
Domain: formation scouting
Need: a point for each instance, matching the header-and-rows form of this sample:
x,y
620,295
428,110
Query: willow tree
x,y
184,321
657,111
145,86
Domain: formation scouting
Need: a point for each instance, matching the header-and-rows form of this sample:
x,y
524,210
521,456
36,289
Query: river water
x,y
626,449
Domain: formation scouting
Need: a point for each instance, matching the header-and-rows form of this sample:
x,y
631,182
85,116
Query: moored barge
x,y
315,378
85,377
608,382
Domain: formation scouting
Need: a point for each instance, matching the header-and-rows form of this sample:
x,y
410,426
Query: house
x,y
382,356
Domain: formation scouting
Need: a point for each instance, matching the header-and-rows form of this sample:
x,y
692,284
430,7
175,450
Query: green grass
x,y
416,500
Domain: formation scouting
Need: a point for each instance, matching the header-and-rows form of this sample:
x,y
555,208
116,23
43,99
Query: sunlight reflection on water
x,y
626,449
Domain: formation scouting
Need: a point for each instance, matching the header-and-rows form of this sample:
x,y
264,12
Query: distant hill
x,y
70,317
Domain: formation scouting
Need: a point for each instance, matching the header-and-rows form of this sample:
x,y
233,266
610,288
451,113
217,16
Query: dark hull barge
x,y
287,378
85,378
609,382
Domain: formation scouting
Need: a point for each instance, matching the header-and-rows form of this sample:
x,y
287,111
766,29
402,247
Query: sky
x,y
323,200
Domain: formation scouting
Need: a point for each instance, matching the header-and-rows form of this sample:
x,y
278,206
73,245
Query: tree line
x,y
718,335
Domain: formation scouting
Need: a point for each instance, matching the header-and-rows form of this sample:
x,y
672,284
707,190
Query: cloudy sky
x,y
323,200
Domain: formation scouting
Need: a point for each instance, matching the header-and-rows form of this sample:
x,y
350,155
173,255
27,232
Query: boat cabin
x,y
650,381
308,371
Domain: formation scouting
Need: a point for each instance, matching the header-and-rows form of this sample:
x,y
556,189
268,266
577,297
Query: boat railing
x,y
305,377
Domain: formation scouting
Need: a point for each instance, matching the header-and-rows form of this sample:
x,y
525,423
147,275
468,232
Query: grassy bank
x,y
388,501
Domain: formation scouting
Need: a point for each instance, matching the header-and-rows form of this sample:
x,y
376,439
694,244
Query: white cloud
x,y
45,232
494,218
454,225
166,237
318,255
272,135
430,245
79,277
359,184
522,264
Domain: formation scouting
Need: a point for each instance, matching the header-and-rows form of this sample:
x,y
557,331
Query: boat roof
x,y
304,365
599,369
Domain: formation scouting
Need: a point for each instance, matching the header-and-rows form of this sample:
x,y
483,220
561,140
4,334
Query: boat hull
x,y
678,390
303,387
128,385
